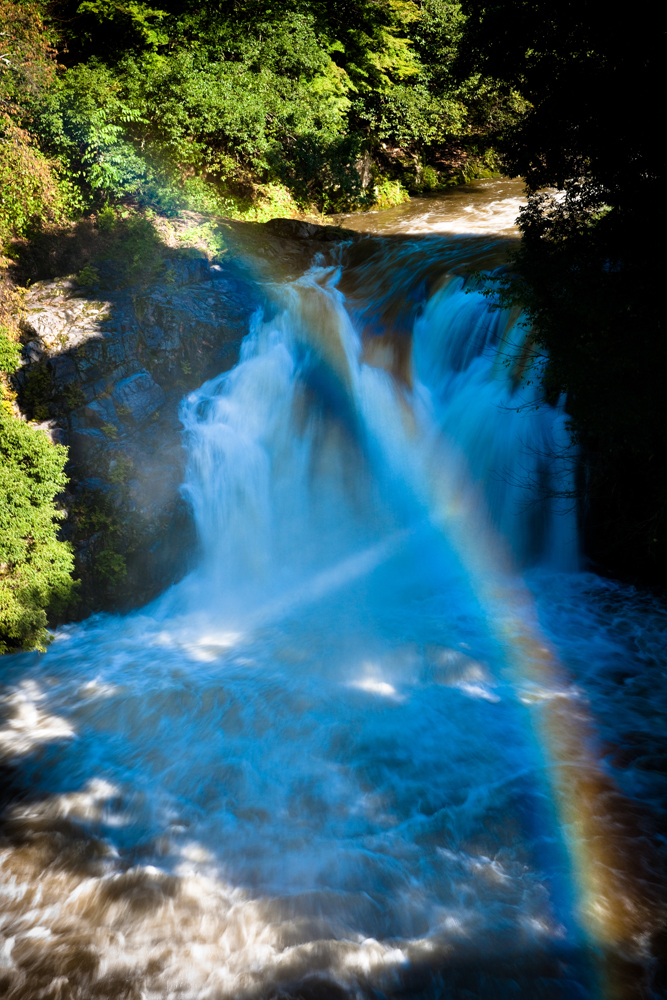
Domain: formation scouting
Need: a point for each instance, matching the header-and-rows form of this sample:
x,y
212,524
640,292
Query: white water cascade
x,y
312,769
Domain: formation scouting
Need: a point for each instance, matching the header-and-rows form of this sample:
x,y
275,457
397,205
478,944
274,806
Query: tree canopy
x,y
182,100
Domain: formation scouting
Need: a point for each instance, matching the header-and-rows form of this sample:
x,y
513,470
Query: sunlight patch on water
x,y
374,685
28,725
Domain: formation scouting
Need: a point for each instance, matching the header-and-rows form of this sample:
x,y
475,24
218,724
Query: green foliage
x,y
429,178
97,517
10,353
110,566
410,116
128,23
106,219
390,193
35,568
140,125
73,397
438,103
29,192
216,106
373,41
26,54
93,513
120,470
88,277
323,173
437,37
83,124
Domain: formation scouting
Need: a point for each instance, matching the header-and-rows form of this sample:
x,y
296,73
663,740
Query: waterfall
x,y
328,762
304,454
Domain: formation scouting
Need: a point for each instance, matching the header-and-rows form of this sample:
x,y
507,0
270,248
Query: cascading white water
x,y
514,444
302,455
307,769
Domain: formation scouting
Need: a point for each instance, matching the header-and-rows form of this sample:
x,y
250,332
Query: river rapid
x,y
390,737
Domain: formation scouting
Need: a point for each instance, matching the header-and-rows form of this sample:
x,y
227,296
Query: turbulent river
x,y
390,737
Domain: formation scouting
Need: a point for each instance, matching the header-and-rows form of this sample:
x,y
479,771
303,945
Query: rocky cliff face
x,y
107,362
105,369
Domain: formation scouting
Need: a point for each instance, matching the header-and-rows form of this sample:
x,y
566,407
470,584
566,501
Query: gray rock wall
x,y
105,368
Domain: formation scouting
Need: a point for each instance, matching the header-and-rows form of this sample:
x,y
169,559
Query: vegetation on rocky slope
x,y
240,108
35,565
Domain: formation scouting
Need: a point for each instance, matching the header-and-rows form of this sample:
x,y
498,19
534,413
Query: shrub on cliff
x,y
35,567
30,194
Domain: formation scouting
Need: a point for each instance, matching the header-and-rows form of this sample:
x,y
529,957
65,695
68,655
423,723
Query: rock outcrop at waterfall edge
x,y
106,362
105,369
